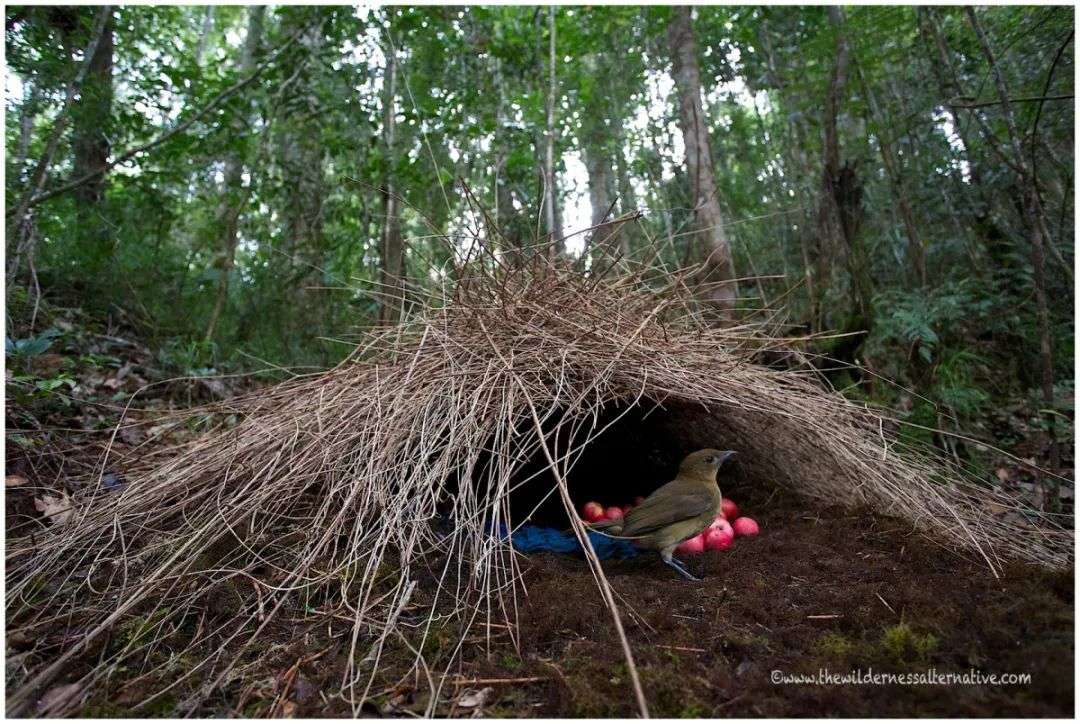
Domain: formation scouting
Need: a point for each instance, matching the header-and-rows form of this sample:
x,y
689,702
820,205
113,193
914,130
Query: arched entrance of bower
x,y
638,450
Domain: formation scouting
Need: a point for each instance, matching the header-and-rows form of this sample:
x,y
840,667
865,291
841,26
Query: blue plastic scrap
x,y
534,539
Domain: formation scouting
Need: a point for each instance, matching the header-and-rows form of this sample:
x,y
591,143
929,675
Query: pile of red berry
x,y
593,512
718,536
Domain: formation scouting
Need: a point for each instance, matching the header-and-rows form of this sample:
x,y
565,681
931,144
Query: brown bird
x,y
676,511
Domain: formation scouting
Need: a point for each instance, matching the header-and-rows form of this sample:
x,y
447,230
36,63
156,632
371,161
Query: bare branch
x,y
960,102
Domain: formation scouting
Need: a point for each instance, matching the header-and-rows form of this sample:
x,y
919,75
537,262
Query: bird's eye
x,y
710,459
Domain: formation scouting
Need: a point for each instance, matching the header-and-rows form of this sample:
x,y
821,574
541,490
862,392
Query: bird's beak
x,y
724,457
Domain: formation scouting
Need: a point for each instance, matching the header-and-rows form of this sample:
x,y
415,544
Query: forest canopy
x,y
241,185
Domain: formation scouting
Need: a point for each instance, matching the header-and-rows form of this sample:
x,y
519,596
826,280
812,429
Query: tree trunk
x,y
301,153
629,233
952,90
235,195
551,211
716,282
598,166
1034,222
301,159
973,196
391,251
829,236
840,209
27,114
204,33
982,215
90,143
602,244
514,230
302,163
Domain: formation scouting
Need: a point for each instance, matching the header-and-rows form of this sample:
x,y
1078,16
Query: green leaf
x,y
55,383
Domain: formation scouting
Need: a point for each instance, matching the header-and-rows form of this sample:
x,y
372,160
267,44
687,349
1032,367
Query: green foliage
x,y
955,382
919,320
30,346
33,390
189,357
903,644
307,137
835,645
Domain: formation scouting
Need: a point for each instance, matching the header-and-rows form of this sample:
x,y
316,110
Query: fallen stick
x,y
481,682
885,602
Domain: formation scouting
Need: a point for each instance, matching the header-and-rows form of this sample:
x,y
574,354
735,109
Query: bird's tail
x,y
607,527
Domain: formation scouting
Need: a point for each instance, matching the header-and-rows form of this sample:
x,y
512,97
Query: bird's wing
x,y
665,507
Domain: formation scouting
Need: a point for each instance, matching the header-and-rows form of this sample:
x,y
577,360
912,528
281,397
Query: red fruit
x,y
691,547
717,539
592,512
638,501
745,526
728,509
613,512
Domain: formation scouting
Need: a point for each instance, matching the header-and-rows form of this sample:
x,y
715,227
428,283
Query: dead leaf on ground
x,y
471,698
57,508
118,379
14,481
215,387
131,435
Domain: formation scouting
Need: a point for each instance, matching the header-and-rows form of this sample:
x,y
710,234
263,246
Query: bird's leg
x,y
678,566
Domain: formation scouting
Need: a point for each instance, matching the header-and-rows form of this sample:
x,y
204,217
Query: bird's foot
x,y
681,568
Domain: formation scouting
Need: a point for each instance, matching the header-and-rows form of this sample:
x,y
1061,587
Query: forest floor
x,y
820,589
817,590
